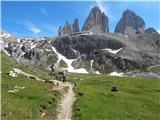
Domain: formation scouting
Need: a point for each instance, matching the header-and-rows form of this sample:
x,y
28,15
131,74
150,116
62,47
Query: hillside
x,y
27,103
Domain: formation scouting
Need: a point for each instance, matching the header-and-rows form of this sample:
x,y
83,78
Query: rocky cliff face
x,y
151,31
75,26
108,52
97,22
67,28
130,24
112,53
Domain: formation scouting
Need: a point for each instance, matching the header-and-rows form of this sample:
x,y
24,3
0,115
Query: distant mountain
x,y
7,35
97,21
131,47
130,24
151,31
68,28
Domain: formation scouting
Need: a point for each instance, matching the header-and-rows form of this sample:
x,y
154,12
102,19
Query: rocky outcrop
x,y
97,22
136,52
67,28
75,26
14,50
36,55
130,24
8,37
72,46
151,31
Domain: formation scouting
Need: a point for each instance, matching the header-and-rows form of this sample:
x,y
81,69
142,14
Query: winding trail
x,y
27,74
65,105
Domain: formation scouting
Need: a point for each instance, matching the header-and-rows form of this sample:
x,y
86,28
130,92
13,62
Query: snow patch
x,y
112,51
18,40
74,50
33,46
116,74
48,50
68,62
97,72
92,63
6,35
80,70
21,55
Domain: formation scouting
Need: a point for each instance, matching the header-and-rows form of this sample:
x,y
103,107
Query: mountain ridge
x,y
103,52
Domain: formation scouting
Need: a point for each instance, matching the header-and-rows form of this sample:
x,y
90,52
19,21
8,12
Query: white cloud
x,y
49,27
44,11
100,5
32,27
104,8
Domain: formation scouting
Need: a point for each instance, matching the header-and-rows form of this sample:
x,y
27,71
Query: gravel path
x,y
65,105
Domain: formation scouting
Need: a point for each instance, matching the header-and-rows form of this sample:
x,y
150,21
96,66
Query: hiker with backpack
x,y
64,76
52,70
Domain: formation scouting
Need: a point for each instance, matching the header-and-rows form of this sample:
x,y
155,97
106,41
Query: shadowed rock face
x,y
137,52
67,28
84,44
130,24
97,22
151,31
75,26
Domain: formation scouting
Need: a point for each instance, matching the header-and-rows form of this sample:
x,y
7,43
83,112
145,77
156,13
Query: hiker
x,y
52,70
64,76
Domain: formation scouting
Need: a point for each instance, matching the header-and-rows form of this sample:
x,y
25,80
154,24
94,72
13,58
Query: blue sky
x,y
42,18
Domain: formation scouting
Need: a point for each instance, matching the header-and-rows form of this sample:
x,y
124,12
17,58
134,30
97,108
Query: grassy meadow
x,y
137,98
29,103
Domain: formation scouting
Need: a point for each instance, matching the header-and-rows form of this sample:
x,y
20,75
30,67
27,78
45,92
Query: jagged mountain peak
x,y
97,21
68,28
130,23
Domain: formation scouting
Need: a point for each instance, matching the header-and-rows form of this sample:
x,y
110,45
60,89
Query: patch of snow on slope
x,y
21,55
97,72
116,74
19,40
34,45
92,63
48,50
68,62
113,51
80,70
74,50
6,35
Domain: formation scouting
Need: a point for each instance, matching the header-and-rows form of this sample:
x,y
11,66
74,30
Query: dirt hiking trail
x,y
65,105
